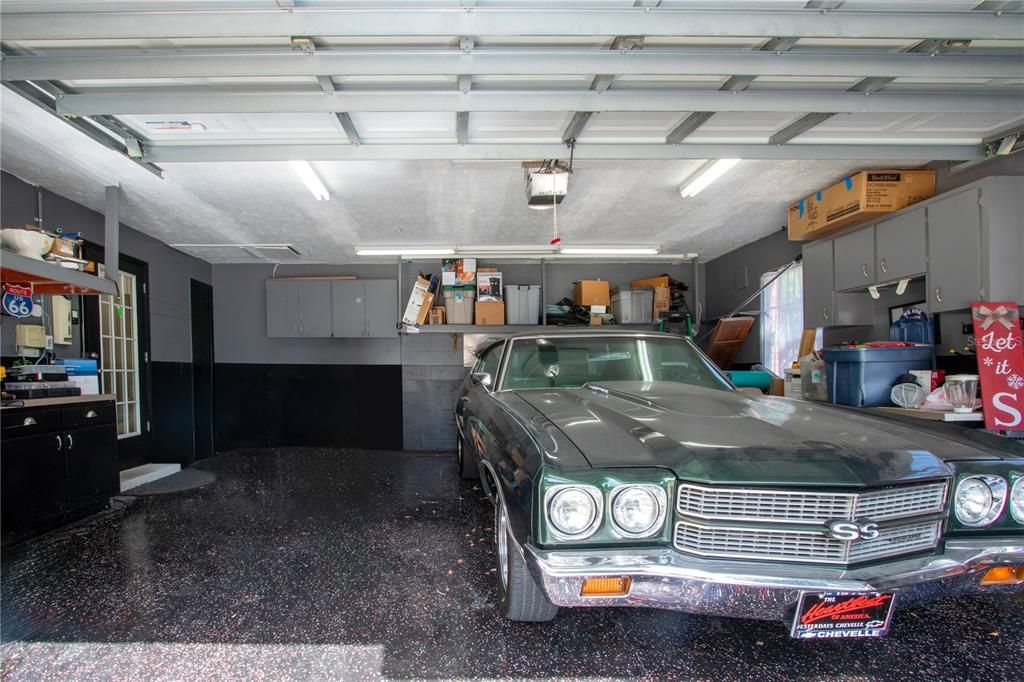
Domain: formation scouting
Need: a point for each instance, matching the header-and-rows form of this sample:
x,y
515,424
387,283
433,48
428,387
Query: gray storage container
x,y
633,306
458,304
522,304
863,377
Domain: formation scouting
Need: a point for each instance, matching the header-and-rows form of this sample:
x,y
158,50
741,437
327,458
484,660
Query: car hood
x,y
725,436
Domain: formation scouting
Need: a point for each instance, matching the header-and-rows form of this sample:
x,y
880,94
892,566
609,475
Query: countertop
x,y
53,402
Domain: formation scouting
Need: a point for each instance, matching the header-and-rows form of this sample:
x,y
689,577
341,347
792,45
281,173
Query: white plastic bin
x,y
633,306
522,304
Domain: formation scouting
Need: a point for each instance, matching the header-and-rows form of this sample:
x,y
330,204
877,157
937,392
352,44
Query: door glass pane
x,y
119,354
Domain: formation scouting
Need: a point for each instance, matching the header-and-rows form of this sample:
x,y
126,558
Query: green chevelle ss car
x,y
626,470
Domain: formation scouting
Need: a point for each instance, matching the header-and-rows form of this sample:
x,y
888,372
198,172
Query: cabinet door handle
x,y
71,441
91,414
824,313
60,444
883,266
864,269
29,421
938,294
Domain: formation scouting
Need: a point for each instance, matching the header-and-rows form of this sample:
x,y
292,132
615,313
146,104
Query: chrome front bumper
x,y
667,579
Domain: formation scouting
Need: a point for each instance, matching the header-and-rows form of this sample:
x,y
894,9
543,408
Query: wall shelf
x,y
47,278
519,328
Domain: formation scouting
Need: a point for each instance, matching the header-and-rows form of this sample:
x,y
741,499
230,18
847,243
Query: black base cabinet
x,y
57,464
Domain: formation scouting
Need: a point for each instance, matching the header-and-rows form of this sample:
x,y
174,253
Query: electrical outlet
x,y
48,344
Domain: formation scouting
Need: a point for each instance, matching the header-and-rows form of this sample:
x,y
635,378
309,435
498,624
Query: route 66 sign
x,y
17,299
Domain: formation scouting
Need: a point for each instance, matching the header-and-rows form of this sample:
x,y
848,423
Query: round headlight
x,y
979,500
1017,500
573,511
637,510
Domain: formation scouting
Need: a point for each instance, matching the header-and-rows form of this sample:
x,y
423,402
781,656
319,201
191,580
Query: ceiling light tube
x,y
399,251
608,251
704,177
313,182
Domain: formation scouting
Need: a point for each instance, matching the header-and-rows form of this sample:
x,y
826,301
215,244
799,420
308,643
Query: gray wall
x,y
240,320
736,275
169,269
949,177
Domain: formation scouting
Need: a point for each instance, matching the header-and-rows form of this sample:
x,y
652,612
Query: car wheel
x,y
522,599
467,466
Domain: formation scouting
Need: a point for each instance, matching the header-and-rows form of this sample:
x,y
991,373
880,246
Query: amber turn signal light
x,y
606,587
1003,575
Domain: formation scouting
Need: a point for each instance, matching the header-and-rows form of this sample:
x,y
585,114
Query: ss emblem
x,y
852,530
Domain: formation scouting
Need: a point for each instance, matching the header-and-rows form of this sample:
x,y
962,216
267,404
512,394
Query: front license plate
x,y
839,615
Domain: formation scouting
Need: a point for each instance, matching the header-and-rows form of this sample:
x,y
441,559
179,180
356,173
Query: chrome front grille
x,y
789,506
775,544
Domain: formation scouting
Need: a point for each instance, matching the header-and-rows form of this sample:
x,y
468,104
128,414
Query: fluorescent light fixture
x,y
313,182
608,251
706,175
400,251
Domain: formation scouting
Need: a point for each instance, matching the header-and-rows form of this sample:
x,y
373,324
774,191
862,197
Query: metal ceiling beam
x,y
462,127
349,127
576,125
284,150
798,127
32,94
526,62
688,126
152,101
526,21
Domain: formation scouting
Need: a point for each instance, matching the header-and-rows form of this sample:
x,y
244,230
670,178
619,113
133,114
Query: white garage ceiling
x,y
219,101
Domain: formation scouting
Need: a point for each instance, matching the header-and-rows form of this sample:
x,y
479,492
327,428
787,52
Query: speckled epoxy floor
x,y
324,564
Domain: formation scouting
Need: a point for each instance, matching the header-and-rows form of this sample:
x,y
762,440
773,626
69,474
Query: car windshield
x,y
571,361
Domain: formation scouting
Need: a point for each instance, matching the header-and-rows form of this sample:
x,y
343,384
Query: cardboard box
x,y
419,304
590,292
490,312
653,282
64,247
596,320
437,315
662,301
488,285
858,199
458,271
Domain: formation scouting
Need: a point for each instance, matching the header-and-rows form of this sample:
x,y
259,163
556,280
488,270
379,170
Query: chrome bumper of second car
x,y
664,578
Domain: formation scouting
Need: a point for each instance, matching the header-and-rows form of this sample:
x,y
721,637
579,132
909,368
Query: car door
x,y
472,404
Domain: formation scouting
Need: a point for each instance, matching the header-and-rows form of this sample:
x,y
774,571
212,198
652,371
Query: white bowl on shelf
x,y
28,243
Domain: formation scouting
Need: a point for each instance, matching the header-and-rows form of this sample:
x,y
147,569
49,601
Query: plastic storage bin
x,y
633,306
458,304
863,377
522,304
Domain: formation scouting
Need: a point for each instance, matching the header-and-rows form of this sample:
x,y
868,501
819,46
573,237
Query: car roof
x,y
564,332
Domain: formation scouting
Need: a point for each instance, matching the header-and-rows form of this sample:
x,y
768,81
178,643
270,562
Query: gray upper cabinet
x,y
282,308
349,311
855,259
332,308
818,283
381,308
899,247
315,309
954,252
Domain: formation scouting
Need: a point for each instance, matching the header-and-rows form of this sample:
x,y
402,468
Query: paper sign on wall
x,y
1000,363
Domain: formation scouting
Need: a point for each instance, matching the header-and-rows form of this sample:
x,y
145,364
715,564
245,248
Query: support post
x,y
112,232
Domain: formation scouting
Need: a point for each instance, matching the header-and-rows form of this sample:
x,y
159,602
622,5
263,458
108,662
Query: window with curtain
x,y
782,318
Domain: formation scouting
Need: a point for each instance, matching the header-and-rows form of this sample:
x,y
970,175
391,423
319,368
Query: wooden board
x,y
727,338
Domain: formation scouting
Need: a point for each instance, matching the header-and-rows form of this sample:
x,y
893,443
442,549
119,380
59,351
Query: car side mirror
x,y
481,379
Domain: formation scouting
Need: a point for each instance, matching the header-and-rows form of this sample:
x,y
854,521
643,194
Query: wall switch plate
x,y
48,344
74,317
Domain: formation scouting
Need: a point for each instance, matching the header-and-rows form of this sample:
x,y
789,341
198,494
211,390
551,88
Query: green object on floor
x,y
750,378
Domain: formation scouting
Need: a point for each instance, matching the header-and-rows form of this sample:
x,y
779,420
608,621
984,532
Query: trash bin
x,y
522,304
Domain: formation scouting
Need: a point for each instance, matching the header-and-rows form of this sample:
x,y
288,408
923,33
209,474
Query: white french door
x,y
119,354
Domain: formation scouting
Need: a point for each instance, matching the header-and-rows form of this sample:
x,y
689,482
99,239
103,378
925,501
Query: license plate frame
x,y
842,615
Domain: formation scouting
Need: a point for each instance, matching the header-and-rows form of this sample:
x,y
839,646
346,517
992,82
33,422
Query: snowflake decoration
x,y
1015,381
989,362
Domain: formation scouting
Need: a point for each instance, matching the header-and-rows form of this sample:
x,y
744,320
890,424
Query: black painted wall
x,y
263,405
